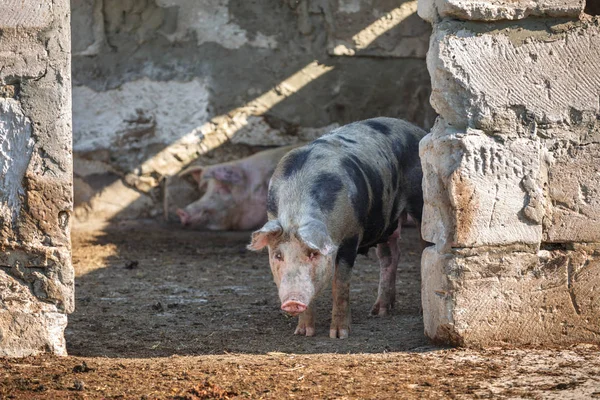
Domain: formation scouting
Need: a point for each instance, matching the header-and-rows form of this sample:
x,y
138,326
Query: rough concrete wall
x,y
36,276
159,84
496,10
511,174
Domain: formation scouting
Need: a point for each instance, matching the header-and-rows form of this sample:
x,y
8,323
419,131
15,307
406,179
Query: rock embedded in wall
x,y
574,192
26,14
480,192
510,85
16,146
27,325
510,174
511,296
36,275
513,81
496,10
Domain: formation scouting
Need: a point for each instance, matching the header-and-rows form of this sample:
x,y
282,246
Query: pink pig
x,y
235,192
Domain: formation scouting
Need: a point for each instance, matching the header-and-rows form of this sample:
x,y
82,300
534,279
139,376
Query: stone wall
x,y
160,84
36,275
511,173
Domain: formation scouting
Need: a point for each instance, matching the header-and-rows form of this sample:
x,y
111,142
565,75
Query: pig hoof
x,y
381,309
305,330
340,333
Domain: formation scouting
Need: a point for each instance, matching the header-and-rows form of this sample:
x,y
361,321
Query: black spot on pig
x,y
412,146
359,195
325,189
272,201
398,146
347,251
364,250
379,127
295,161
414,204
406,150
375,221
347,140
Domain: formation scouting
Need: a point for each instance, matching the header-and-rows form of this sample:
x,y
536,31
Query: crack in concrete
x,y
570,271
494,205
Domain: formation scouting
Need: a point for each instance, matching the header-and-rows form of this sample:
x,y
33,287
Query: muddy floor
x,y
164,312
147,291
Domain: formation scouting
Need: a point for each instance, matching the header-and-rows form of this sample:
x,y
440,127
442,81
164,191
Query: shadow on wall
x,y
156,90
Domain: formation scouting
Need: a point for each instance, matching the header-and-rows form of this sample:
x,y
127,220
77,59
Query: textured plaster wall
x,y
160,84
36,276
511,173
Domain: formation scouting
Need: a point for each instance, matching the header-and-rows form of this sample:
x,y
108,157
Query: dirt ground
x,y
168,313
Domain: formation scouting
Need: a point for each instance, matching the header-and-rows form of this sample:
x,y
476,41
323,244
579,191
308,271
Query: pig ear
x,y
314,234
261,237
195,171
226,173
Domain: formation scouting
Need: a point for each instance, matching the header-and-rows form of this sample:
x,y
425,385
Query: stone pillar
x,y
36,274
512,173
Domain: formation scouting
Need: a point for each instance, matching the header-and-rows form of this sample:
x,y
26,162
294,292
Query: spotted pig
x,y
333,198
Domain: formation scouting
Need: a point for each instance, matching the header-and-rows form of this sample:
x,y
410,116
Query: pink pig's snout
x,y
183,216
293,306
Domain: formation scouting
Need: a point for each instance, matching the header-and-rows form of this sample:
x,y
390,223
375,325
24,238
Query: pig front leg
x,y
388,254
306,322
340,316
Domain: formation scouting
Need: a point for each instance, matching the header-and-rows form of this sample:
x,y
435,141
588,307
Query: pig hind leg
x,y
388,254
306,322
340,316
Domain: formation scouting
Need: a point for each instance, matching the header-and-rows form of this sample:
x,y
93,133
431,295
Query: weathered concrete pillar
x,y
512,173
36,275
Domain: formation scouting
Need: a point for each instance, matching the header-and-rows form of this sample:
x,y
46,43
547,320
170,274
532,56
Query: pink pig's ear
x,y
195,171
261,237
225,173
315,235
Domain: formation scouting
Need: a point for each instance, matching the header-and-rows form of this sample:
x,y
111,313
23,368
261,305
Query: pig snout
x,y
294,307
183,216
296,291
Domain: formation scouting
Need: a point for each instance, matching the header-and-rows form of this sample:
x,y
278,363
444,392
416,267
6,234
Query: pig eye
x,y
278,256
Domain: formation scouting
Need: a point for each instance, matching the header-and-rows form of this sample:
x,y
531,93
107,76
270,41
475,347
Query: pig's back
x,y
355,178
